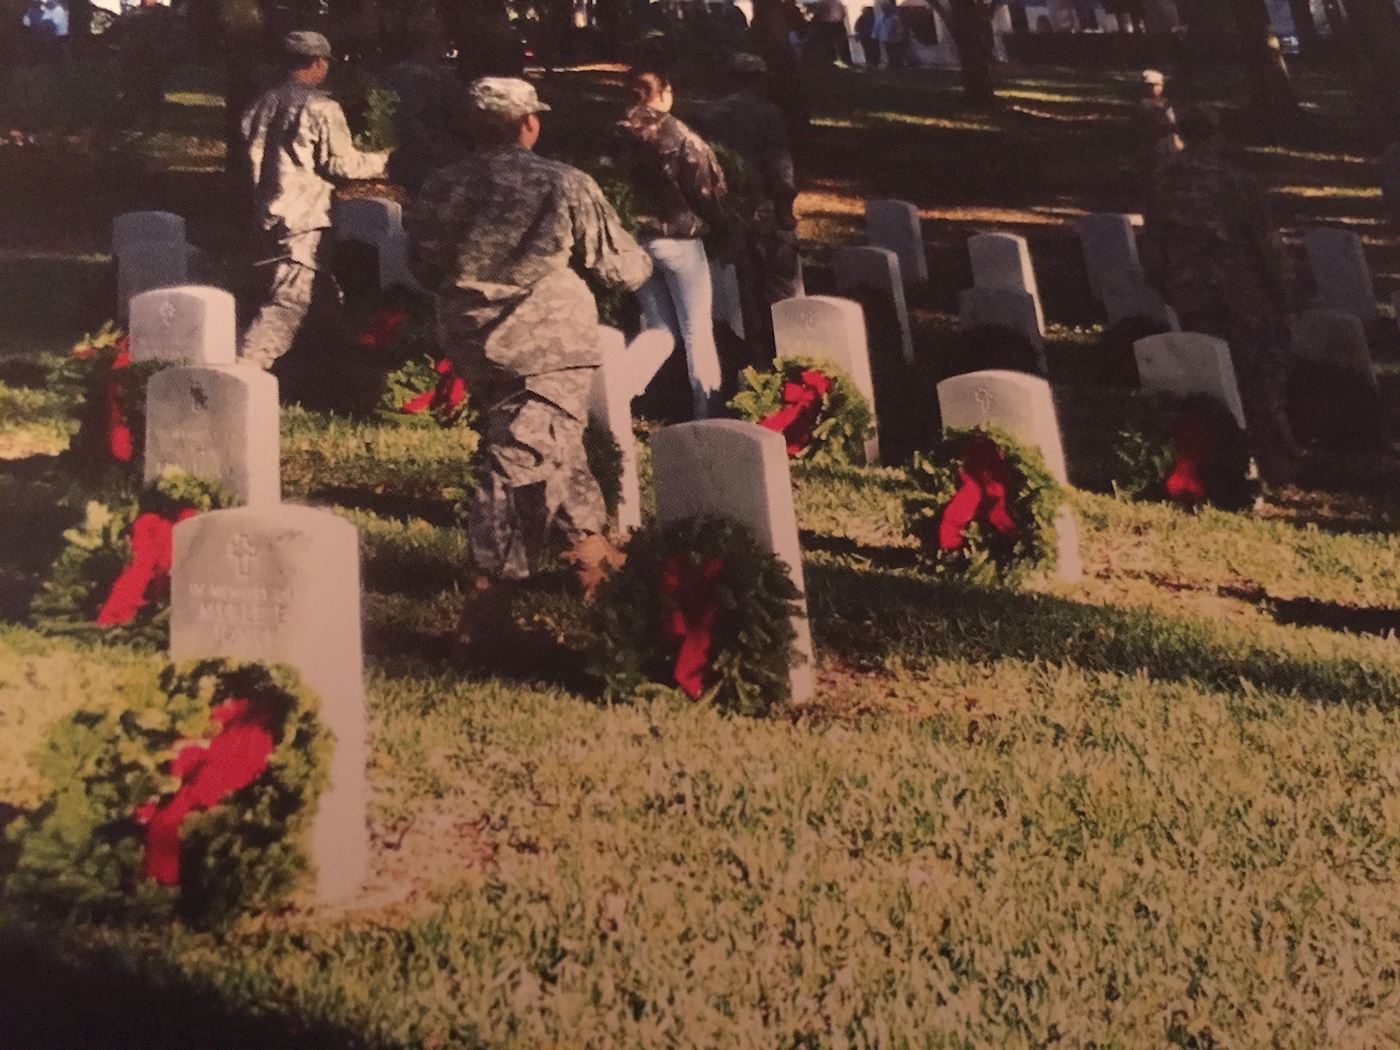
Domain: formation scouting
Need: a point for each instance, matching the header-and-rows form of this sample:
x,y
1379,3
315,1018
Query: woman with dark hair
x,y
680,190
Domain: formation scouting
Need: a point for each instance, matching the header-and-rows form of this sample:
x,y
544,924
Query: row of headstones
x,y
1005,292
151,251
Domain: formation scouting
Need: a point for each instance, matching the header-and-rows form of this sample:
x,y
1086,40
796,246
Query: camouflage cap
x,y
506,96
743,62
305,44
1151,76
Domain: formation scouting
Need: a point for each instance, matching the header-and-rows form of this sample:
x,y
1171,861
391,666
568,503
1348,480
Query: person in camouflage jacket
x,y
754,128
502,239
298,147
1211,246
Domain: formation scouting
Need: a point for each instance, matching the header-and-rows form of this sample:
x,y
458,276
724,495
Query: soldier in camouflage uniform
x,y
430,118
753,127
298,147
1211,246
504,238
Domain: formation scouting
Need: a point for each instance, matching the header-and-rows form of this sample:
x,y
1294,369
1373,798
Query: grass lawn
x,y
1161,807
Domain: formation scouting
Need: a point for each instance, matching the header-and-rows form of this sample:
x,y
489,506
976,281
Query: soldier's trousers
x,y
535,493
300,287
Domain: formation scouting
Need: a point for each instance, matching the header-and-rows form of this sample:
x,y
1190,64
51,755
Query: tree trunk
x,y
1271,91
1304,25
1375,41
970,23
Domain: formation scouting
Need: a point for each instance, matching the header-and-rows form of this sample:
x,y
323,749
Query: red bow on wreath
x,y
152,551
691,623
1195,441
209,773
114,397
802,402
381,329
984,481
443,399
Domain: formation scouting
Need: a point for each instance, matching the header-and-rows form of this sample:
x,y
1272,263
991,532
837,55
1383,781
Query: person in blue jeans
x,y
680,192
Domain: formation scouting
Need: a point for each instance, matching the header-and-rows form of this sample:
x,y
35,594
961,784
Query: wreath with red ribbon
x,y
1189,451
113,577
822,416
700,607
111,393
985,507
191,799
425,389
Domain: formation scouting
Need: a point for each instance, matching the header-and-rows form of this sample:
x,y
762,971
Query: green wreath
x,y
1186,450
697,577
982,538
109,447
120,821
834,436
100,549
425,389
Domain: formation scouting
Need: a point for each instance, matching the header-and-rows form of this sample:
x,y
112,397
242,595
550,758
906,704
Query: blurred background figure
x,y
430,118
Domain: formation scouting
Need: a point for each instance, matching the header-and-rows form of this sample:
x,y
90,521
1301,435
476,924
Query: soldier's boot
x,y
593,558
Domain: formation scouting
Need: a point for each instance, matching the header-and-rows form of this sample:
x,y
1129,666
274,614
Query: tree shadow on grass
x,y
88,998
1309,612
870,617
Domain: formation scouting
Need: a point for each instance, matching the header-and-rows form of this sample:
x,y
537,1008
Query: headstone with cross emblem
x,y
280,584
829,329
1024,407
191,325
730,469
218,423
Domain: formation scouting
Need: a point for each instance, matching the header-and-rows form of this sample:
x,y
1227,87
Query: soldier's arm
x,y
336,156
602,247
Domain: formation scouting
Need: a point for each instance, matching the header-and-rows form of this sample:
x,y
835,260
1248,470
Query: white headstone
x,y
729,469
895,225
1187,363
1024,407
1110,245
645,356
218,423
829,329
280,584
1020,404
1331,337
727,305
610,403
1339,268
876,269
1002,308
377,221
1127,295
141,227
1003,260
145,265
189,325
